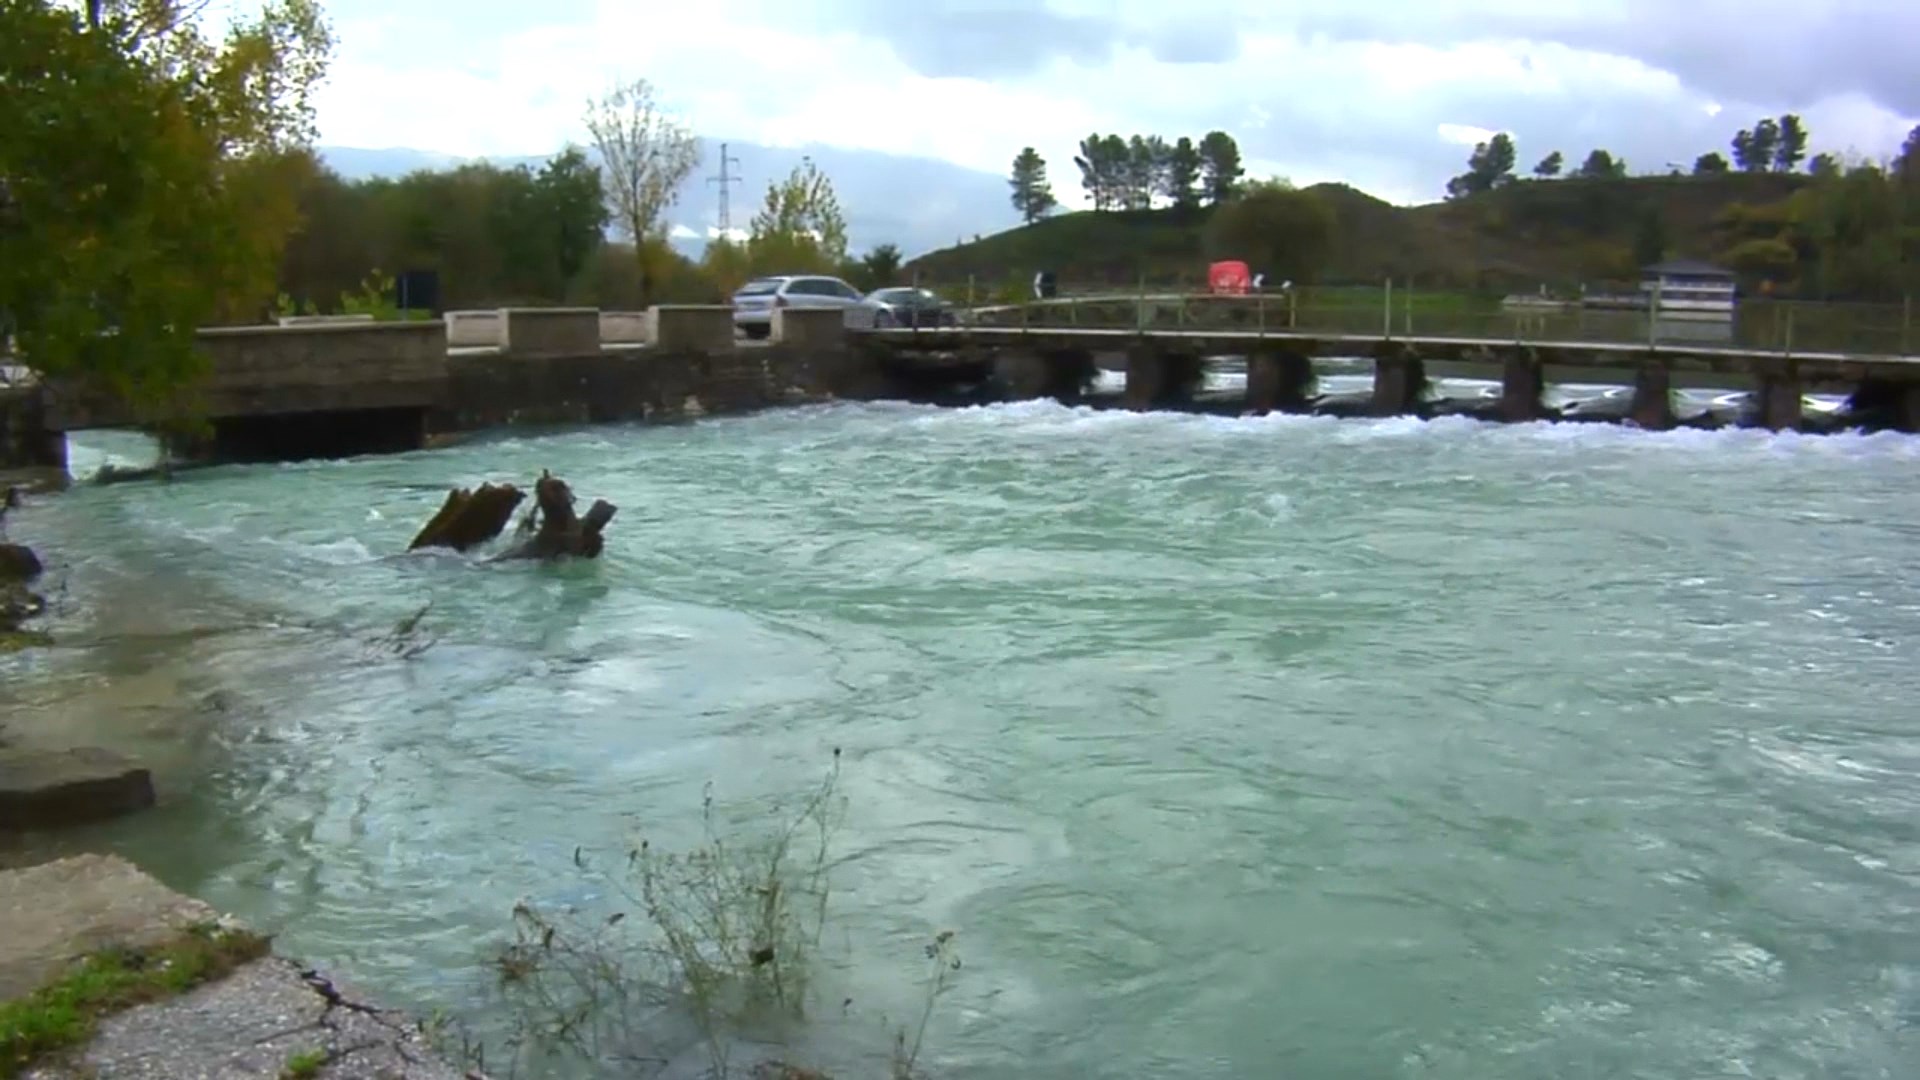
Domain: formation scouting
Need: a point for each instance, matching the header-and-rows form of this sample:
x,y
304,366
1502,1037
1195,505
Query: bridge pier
x,y
1885,405
1652,406
1399,382
25,440
1278,380
1777,401
1522,378
1027,374
1156,378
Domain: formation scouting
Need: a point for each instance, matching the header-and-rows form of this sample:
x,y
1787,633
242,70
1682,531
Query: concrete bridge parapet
x,y
810,328
473,329
691,327
537,333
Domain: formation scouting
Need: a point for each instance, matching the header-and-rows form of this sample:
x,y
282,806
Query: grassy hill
x,y
1556,232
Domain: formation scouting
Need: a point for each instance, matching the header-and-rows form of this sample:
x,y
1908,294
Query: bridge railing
x,y
1787,327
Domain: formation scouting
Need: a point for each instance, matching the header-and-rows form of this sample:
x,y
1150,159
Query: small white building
x,y
1688,289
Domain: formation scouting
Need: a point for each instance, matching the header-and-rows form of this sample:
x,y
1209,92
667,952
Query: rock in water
x,y
18,563
470,518
50,789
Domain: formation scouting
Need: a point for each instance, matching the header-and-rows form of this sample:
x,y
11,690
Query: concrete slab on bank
x,y
250,1024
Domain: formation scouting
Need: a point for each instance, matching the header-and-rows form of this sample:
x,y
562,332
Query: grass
x,y
64,1014
726,935
723,935
304,1065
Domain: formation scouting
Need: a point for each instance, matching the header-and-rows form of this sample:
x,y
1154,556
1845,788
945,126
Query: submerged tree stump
x,y
469,518
559,531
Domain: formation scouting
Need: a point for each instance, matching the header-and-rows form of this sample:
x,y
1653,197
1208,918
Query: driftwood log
x,y
469,518
558,531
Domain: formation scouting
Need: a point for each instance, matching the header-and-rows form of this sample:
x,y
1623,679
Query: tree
x,y
1792,145
1825,166
148,180
1907,165
1220,167
1183,174
1601,165
571,201
1032,194
800,226
645,155
1762,142
1709,164
1650,238
882,264
1102,166
1549,166
1281,232
1143,171
1490,164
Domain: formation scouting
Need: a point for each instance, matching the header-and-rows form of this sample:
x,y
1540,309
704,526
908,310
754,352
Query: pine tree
x,y
1032,193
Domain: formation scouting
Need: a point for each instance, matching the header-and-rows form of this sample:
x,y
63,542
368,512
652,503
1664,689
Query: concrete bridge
x,y
344,386
330,388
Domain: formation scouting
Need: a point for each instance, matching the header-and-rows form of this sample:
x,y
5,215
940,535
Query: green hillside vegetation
x,y
1558,233
1831,232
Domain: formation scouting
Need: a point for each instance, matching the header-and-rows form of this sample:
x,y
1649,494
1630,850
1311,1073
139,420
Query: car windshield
x,y
759,288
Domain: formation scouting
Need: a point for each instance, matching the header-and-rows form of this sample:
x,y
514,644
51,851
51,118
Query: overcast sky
x,y
1387,95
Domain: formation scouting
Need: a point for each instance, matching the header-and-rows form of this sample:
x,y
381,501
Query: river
x,y
1227,747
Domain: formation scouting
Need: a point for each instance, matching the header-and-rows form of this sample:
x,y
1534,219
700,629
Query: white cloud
x,y
1381,95
1463,134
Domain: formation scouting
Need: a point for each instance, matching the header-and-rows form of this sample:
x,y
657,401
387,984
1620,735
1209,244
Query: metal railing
x,y
1760,325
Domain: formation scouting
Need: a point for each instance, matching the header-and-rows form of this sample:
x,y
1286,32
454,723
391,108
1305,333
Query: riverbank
x,y
105,973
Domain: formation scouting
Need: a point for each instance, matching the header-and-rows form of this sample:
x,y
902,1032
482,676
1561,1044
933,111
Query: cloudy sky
x,y
1387,95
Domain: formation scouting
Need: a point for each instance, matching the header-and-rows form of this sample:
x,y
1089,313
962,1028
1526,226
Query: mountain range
x,y
918,204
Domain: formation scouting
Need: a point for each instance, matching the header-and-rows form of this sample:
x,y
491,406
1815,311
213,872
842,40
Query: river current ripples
x,y
1228,747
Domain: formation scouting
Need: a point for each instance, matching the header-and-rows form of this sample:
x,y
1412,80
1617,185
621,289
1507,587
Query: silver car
x,y
754,302
902,306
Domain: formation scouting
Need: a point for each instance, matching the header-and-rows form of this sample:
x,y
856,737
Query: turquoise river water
x,y
1227,747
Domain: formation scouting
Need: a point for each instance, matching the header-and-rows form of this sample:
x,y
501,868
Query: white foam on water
x,y
1045,418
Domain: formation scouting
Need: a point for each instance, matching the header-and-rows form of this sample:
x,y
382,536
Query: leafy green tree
x,y
1490,165
1103,166
1709,164
1032,193
1282,232
571,201
145,179
800,226
1650,238
1183,174
1792,144
1549,166
1762,142
1220,166
1601,165
881,265
1143,163
1824,166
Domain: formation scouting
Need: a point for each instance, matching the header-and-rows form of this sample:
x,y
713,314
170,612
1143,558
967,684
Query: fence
x,y
1785,326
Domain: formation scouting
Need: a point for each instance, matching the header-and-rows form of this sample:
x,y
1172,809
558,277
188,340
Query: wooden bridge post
x,y
1399,379
1652,407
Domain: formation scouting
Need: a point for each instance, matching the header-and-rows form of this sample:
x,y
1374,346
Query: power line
x,y
726,181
